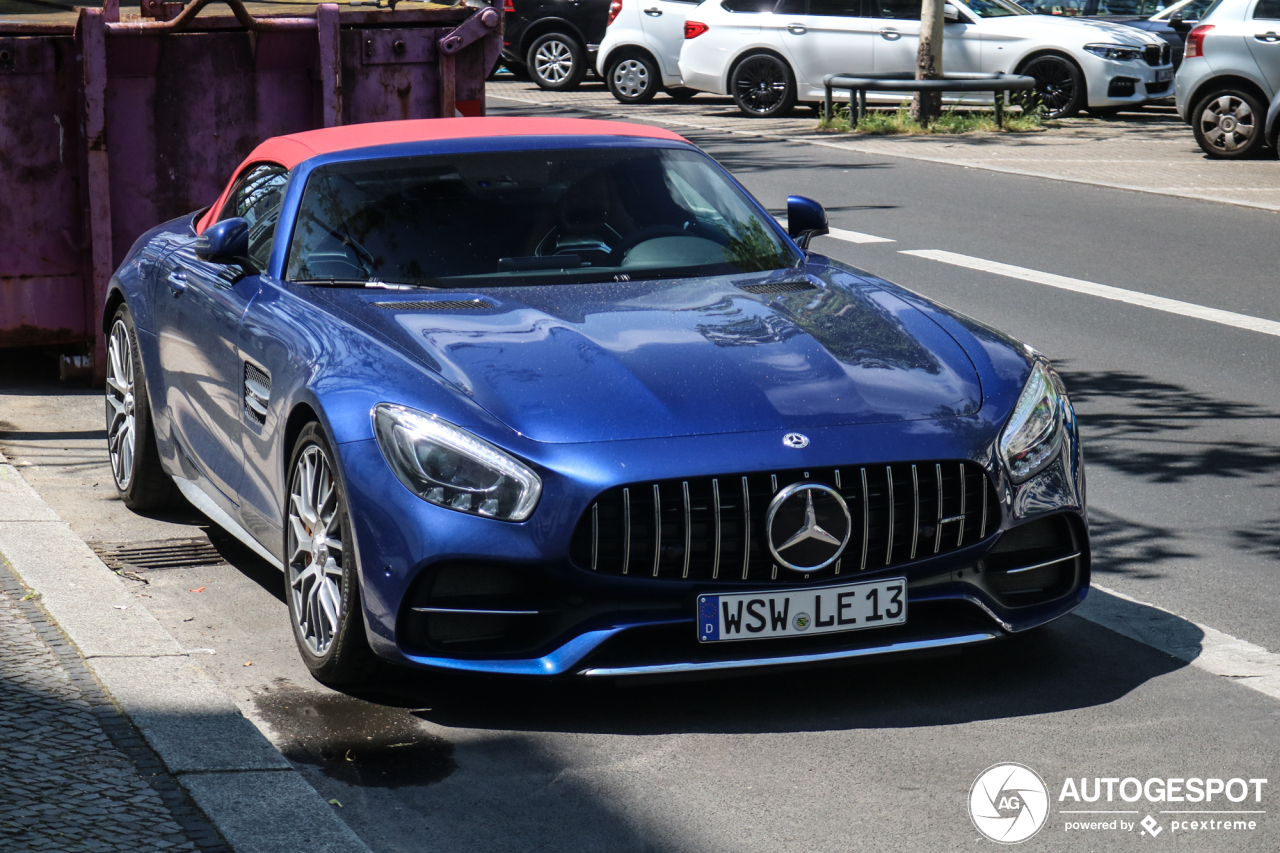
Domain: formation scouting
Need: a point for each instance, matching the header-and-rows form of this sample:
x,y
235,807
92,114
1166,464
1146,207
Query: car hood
x,y
578,363
1067,30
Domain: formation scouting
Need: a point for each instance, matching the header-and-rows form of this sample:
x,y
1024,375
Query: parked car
x,y
553,397
554,42
1171,22
640,54
1229,75
768,60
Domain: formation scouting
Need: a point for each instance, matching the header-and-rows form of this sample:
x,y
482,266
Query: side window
x,y
836,8
749,6
1267,10
791,7
903,10
257,198
1122,7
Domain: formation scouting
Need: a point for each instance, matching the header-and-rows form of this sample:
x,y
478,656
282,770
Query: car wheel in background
x,y
131,441
321,583
633,78
681,94
1228,124
1059,88
763,86
557,62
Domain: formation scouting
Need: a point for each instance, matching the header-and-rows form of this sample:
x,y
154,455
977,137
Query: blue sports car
x,y
559,397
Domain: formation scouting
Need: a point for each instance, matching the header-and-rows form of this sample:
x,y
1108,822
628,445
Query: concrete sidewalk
x,y
1148,151
229,770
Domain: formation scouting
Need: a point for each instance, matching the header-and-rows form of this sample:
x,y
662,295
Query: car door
x,y
1264,40
822,37
897,27
663,24
198,328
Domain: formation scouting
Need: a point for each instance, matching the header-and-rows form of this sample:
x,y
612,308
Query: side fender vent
x,y
257,391
441,305
779,287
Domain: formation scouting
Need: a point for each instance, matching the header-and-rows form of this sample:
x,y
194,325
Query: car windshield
x,y
536,217
996,8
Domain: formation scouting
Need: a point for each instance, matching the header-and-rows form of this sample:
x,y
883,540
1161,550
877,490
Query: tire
x,y
324,604
1059,85
633,79
763,86
557,62
131,441
1228,125
681,94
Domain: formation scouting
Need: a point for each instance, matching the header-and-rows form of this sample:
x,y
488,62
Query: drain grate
x,y
161,554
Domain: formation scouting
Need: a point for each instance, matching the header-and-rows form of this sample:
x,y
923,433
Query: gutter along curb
x,y
246,788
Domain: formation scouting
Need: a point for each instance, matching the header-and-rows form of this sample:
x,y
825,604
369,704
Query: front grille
x,y
1158,54
713,528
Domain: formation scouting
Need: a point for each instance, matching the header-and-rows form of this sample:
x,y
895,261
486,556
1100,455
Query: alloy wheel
x,y
1055,85
631,78
553,61
316,550
1227,123
762,84
122,433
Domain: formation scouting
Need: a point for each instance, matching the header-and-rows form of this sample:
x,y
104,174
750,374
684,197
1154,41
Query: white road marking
x,y
1199,645
847,236
1105,291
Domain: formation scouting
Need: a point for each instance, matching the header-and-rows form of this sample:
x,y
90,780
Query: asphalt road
x,y
1180,429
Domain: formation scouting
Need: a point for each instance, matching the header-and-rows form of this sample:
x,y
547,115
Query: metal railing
x,y
999,85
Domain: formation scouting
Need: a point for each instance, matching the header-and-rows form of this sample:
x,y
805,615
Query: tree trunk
x,y
926,106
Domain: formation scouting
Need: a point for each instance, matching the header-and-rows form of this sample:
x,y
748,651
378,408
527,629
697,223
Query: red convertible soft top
x,y
291,150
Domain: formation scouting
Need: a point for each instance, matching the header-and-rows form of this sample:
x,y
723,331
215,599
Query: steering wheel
x,y
651,232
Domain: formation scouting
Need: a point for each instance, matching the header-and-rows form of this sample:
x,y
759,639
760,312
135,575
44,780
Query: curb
x,y
249,792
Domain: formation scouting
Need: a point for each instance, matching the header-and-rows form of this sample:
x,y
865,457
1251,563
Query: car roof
x,y
291,150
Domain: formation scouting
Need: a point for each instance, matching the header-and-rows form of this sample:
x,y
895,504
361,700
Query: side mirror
x,y
225,242
1179,23
950,14
805,220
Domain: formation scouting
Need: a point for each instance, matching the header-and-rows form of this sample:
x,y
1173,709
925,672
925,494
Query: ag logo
x,y
1008,803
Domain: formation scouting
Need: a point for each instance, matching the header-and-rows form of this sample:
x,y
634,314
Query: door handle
x,y
655,12
177,281
796,29
891,35
1268,37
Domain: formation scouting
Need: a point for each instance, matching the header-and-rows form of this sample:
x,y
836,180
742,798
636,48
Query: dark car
x,y
553,41
1169,21
553,397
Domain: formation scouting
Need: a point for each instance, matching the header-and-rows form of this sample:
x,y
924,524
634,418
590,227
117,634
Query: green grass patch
x,y
952,120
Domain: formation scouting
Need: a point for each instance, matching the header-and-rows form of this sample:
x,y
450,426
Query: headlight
x,y
1122,52
1032,436
452,468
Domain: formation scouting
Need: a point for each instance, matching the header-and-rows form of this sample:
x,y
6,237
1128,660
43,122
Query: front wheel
x,y
763,86
323,589
1228,125
1059,91
557,62
131,441
633,79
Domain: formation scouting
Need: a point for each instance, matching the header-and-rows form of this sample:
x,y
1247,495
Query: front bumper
x,y
1111,83
443,590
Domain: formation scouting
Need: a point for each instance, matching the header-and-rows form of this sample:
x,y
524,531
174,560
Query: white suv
x,y
1230,72
640,53
769,55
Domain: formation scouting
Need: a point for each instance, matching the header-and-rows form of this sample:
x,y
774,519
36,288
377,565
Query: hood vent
x,y
442,305
779,287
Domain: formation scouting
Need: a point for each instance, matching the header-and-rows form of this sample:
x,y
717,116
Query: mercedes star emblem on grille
x,y
795,440
807,527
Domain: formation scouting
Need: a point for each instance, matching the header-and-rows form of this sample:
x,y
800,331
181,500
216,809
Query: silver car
x,y
1229,75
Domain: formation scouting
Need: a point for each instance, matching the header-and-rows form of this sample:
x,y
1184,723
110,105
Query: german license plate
x,y
797,612
1164,75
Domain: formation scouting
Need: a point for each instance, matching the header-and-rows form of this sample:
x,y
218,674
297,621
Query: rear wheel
x,y
1229,124
763,86
557,62
1059,88
323,589
131,440
633,79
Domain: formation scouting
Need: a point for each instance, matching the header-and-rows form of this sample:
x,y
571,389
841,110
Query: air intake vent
x,y
442,305
257,391
779,287
712,528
